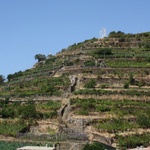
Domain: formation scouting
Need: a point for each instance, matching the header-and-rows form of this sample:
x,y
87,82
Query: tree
x,y
15,75
2,79
40,57
112,34
118,34
9,77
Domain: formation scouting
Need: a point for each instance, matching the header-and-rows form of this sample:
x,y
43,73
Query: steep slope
x,y
96,90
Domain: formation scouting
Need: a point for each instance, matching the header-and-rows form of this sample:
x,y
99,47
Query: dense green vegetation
x,y
127,64
29,110
116,125
132,141
94,146
12,127
100,92
120,108
5,145
123,115
26,113
36,86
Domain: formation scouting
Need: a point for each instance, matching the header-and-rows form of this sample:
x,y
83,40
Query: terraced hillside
x,y
96,90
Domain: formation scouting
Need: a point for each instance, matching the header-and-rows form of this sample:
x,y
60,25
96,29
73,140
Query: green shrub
x,y
83,112
103,108
147,45
89,63
126,85
7,112
144,120
122,39
90,84
131,79
26,111
94,146
103,86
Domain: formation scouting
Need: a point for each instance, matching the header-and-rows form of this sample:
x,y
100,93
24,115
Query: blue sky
x,y
30,27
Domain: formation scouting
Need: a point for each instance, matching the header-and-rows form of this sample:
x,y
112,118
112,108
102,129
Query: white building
x,y
36,148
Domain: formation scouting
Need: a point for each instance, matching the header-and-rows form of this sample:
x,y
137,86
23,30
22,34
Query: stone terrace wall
x,y
36,98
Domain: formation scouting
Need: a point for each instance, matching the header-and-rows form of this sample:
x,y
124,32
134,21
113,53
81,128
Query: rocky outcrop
x,y
73,80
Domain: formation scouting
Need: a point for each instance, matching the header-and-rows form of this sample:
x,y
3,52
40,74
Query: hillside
x,y
96,90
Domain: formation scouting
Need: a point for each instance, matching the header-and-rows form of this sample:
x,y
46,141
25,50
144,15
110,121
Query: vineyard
x,y
99,88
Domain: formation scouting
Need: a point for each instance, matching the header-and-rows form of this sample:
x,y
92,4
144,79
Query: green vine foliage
x,y
94,146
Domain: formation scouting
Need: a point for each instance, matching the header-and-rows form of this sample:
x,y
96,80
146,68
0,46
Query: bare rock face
x,y
105,139
73,80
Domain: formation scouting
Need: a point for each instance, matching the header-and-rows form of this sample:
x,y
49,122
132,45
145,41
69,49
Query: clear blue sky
x,y
30,27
